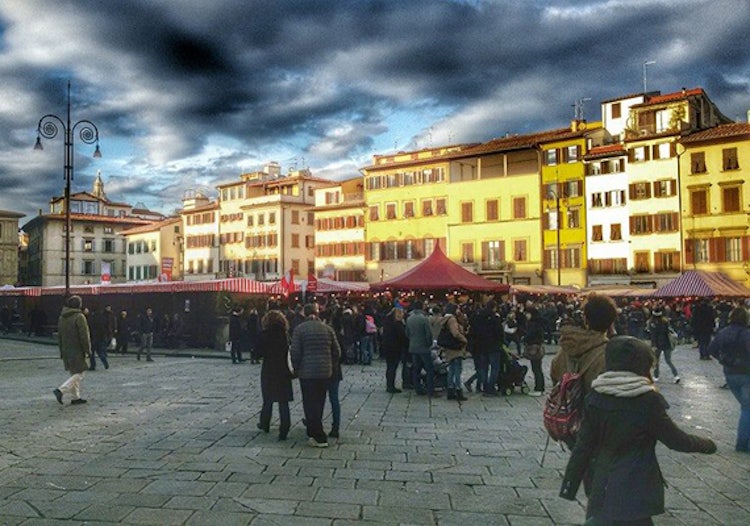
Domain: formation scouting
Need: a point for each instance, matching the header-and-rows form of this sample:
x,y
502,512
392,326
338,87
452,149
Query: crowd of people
x,y
615,348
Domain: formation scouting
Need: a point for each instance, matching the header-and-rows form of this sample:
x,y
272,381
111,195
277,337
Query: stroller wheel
x,y
525,389
508,391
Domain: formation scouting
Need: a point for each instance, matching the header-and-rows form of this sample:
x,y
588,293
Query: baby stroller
x,y
512,375
441,370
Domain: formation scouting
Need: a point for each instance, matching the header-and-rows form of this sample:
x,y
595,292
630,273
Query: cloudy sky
x,y
191,93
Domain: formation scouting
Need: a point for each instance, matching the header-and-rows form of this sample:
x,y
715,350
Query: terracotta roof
x,y
213,205
631,96
152,226
605,150
671,97
722,131
516,142
98,218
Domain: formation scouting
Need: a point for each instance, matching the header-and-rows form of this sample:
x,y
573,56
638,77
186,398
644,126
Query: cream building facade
x,y
9,246
154,251
340,231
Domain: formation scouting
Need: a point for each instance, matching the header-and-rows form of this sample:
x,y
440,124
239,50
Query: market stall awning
x,y
438,272
704,284
543,289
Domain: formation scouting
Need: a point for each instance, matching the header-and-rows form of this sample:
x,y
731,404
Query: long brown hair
x,y
275,317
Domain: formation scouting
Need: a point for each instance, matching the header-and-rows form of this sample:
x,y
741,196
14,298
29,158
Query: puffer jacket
x,y
315,350
579,347
74,340
617,443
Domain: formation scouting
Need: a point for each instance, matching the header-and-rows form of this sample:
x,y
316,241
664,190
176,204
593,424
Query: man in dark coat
x,y
703,324
147,328
98,331
486,329
315,350
237,334
75,348
122,332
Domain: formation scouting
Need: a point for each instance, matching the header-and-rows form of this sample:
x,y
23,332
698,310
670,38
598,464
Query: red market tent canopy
x,y
702,283
437,272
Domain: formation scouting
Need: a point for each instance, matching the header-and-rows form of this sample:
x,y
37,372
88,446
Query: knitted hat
x,y
626,353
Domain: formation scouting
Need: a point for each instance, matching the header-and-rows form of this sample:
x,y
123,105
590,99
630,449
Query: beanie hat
x,y
626,353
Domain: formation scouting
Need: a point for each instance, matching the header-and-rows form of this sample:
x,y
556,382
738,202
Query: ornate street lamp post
x,y
48,127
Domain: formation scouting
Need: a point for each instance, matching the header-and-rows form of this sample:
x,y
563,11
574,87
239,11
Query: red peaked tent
x,y
702,283
437,272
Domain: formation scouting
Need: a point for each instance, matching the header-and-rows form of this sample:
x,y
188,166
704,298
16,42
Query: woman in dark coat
x,y
625,416
394,346
275,378
659,328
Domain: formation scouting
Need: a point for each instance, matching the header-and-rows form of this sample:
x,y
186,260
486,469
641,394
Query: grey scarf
x,y
623,384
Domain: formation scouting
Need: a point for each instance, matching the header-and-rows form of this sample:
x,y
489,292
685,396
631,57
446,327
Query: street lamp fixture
x,y
49,126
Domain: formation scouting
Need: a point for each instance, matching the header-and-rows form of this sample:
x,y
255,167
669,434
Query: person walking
x,y
122,332
147,327
625,417
659,330
275,376
732,348
74,341
314,351
394,346
99,329
419,332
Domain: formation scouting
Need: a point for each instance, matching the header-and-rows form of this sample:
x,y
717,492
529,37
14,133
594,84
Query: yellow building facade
x,y
564,226
715,204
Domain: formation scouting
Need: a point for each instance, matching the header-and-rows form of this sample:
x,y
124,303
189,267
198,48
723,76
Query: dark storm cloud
x,y
331,81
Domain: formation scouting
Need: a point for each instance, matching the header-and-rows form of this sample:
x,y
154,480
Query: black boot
x,y
451,394
460,395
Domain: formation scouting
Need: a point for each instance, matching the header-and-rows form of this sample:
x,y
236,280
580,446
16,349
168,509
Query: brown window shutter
x,y
631,155
580,185
651,223
689,256
657,189
673,187
631,190
632,224
676,221
720,249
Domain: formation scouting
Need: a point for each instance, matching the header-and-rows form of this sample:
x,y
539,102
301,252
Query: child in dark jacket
x,y
625,417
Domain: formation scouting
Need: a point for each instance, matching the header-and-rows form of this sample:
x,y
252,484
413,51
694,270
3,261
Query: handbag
x,y
533,351
446,340
112,344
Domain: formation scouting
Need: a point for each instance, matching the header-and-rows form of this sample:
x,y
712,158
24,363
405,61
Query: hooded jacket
x,y
74,340
617,443
582,351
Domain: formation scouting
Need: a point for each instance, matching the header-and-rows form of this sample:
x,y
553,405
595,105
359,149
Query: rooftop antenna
x,y
579,108
646,64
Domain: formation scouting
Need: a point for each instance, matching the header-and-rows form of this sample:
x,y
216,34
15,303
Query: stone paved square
x,y
175,442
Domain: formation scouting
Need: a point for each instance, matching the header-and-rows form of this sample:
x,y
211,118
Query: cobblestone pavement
x,y
175,442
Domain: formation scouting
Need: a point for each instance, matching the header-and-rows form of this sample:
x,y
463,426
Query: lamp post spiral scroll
x,y
49,126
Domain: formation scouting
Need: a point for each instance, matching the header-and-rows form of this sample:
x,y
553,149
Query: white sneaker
x,y
535,393
656,379
676,379
314,443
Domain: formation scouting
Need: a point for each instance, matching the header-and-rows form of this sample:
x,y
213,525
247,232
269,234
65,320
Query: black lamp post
x,y
48,127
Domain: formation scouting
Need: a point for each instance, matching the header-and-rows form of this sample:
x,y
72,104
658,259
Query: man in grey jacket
x,y
419,331
314,351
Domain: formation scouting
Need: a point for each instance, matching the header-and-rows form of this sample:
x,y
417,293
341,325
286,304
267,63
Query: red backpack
x,y
563,410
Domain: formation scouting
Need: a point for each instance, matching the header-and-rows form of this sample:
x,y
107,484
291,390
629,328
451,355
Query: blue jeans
x,y
492,370
455,367
739,384
333,397
419,362
368,346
